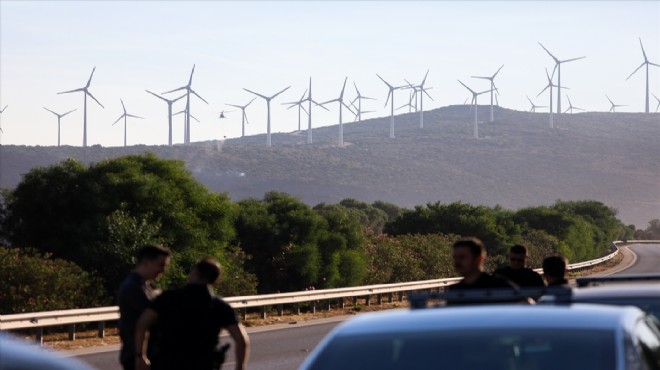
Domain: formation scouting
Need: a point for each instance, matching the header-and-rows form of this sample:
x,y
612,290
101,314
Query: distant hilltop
x,y
518,161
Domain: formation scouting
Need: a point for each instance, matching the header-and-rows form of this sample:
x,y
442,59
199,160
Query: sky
x,y
51,46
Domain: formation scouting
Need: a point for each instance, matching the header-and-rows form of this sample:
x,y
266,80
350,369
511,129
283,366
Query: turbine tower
x,y
534,106
342,104
189,90
421,90
558,64
390,94
310,100
492,89
125,117
571,108
59,118
358,99
268,99
550,85
86,92
298,104
614,106
475,130
244,118
169,112
647,64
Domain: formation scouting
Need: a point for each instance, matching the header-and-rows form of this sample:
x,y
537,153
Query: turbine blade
x,y
235,106
542,91
388,97
388,85
191,76
49,111
281,91
356,89
571,60
72,91
246,105
90,77
549,53
425,76
197,95
341,95
483,78
130,115
156,95
118,119
498,71
472,91
427,94
643,52
71,111
92,96
122,105
180,88
653,64
367,98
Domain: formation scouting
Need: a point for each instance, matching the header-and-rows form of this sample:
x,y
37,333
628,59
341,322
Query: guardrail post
x,y
313,307
355,299
367,301
401,297
329,305
40,336
380,299
342,303
101,331
280,310
390,297
263,313
244,314
72,332
297,309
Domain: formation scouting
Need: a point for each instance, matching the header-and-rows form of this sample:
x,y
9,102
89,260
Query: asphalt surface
x,y
286,346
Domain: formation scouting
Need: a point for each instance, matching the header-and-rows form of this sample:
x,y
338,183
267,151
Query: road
x,y
286,346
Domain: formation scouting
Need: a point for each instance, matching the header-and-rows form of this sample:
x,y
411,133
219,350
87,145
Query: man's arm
x,y
147,319
242,342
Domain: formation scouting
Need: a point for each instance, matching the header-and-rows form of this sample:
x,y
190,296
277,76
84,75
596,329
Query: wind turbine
x,y
298,104
614,106
390,94
475,130
571,108
342,104
189,90
310,100
59,118
558,68
169,112
550,85
492,89
534,106
421,90
125,117
86,92
656,98
268,99
358,108
645,63
244,118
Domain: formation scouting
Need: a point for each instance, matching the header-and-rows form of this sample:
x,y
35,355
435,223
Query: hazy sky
x,y
51,46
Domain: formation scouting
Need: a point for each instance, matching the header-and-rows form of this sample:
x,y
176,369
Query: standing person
x,y
191,319
517,273
134,296
555,270
469,256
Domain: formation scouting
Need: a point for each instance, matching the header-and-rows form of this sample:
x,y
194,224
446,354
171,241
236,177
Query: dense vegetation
x,y
88,221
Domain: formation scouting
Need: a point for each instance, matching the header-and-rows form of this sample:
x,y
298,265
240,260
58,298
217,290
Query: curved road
x,y
285,346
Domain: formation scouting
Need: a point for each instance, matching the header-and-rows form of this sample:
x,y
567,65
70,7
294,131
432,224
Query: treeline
x,y
85,223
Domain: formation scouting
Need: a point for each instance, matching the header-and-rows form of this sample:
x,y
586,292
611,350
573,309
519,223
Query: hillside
x,y
519,161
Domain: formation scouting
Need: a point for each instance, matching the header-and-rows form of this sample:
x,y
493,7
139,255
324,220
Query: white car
x,y
15,355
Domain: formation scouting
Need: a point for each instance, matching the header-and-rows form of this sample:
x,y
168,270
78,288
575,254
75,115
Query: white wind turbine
x,y
169,112
614,106
647,64
550,85
310,100
268,99
300,106
390,94
571,108
59,119
475,129
244,118
86,92
420,90
558,64
534,106
189,90
125,117
358,107
342,104
493,89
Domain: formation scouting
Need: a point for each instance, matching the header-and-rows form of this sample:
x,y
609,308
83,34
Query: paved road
x,y
286,346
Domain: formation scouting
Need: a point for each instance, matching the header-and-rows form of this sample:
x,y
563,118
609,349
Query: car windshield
x,y
518,349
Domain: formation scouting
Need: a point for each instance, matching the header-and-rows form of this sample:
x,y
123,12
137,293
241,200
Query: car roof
x,y
16,355
617,291
565,316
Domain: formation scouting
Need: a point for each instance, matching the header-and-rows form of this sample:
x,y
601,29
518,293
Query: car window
x,y
537,349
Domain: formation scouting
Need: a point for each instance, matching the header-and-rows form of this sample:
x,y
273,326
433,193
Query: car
x,y
500,337
16,355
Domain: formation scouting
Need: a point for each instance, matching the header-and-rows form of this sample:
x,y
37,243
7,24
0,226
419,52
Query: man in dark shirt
x,y
517,273
134,296
555,269
469,256
190,320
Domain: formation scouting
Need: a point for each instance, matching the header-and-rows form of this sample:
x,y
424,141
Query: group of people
x,y
469,256
176,329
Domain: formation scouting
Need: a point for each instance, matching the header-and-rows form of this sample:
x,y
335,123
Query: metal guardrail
x,y
39,320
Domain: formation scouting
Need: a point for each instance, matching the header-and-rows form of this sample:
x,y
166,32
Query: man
x,y
517,273
134,296
469,256
555,269
191,319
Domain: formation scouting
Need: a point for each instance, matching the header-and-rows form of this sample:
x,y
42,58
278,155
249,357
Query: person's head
x,y
206,271
469,255
554,268
152,260
517,257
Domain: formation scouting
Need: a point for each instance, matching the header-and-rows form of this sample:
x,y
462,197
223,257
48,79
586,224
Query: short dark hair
x,y
476,246
208,269
151,252
518,249
555,266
